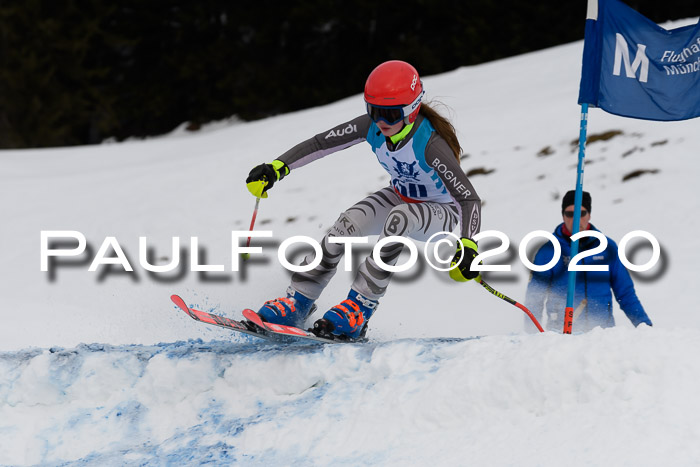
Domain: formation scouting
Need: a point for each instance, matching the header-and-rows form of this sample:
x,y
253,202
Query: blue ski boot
x,y
291,310
348,319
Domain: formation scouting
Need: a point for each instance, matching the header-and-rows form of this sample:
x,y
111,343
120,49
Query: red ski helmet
x,y
393,92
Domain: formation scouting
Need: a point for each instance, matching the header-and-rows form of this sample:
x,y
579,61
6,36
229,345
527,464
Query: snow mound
x,y
611,397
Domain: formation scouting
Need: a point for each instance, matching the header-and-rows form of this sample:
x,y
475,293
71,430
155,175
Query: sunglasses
x,y
392,114
570,214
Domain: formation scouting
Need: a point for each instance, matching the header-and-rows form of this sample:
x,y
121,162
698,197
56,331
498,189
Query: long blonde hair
x,y
443,127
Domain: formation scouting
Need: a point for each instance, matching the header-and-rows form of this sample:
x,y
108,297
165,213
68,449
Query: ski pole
x,y
246,256
509,300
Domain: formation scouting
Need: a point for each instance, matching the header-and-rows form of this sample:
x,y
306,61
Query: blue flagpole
x,y
569,312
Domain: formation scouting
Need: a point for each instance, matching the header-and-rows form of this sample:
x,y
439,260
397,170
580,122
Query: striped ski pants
x,y
382,213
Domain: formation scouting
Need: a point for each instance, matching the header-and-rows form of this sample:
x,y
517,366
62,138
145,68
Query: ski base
x,y
255,326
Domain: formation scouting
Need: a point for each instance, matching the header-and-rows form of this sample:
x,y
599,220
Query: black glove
x,y
462,272
264,176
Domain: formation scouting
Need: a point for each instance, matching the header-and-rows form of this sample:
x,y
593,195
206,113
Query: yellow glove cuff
x,y
469,243
281,169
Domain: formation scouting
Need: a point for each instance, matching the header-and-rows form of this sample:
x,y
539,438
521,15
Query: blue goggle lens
x,y
390,115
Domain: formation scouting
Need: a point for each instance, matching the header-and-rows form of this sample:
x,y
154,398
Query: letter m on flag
x,y
622,55
659,89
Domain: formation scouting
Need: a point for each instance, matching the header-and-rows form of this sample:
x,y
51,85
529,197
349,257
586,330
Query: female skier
x,y
429,193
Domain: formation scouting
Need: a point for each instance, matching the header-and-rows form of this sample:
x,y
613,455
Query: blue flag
x,y
635,68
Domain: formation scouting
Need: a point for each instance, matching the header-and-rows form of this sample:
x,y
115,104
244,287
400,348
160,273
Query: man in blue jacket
x,y
547,290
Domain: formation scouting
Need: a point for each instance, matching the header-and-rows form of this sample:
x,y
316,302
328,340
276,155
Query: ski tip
x,y
179,301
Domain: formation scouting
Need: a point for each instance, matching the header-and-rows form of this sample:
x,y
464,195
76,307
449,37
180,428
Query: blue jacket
x,y
550,287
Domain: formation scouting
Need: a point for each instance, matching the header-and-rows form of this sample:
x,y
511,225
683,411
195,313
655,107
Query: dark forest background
x,y
79,71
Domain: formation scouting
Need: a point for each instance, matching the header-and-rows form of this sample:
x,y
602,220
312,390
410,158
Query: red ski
x,y
253,325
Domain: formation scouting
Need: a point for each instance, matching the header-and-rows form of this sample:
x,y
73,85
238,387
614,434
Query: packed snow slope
x,y
620,397
99,368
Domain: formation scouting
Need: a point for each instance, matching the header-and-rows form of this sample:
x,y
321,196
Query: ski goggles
x,y
392,114
570,214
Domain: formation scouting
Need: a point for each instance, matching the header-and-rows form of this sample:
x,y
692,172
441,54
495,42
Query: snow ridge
x,y
619,396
